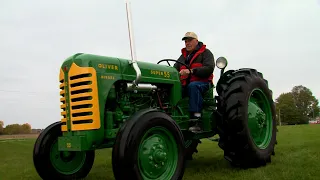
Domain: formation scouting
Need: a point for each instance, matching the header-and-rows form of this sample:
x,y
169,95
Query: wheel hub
x,y
65,156
155,153
261,118
157,156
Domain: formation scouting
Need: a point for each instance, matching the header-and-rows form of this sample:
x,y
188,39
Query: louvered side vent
x,y
63,101
84,102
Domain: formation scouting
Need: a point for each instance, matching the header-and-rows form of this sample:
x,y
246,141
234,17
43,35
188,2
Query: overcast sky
x,y
279,38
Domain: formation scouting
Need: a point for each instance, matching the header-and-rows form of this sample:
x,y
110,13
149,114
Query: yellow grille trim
x,y
81,95
63,100
61,75
80,127
81,103
80,80
80,88
81,110
75,70
82,118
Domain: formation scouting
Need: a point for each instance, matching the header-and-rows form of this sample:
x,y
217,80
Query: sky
x,y
280,38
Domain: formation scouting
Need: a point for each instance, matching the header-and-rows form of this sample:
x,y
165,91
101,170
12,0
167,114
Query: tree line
x,y
15,129
297,107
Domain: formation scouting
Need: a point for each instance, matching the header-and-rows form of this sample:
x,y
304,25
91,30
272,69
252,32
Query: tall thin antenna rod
x,y
130,30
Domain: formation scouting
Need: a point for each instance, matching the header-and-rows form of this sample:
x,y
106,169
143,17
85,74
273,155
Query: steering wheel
x,y
179,63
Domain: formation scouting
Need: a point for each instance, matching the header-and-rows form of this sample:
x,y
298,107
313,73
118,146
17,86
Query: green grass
x,y
297,157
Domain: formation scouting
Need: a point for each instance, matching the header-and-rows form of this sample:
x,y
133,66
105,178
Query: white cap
x,y
190,35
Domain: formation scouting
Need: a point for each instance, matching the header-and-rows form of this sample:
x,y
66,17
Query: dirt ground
x,y
19,136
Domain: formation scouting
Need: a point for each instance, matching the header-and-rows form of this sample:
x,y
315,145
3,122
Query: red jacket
x,y
201,63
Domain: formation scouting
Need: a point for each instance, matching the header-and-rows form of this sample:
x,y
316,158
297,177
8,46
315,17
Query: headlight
x,y
221,62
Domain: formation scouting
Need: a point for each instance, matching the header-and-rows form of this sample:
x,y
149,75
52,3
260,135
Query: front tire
x,y
50,163
248,118
149,146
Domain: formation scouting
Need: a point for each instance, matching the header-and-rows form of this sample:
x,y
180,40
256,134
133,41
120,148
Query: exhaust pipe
x,y
132,48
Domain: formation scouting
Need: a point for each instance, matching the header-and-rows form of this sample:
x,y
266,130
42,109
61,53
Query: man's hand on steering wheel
x,y
185,72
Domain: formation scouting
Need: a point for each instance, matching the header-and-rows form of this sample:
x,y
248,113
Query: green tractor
x,y
137,109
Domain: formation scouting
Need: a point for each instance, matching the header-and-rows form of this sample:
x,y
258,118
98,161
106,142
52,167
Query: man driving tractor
x,y
195,83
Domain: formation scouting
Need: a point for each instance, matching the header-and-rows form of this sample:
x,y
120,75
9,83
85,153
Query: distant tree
x,y
1,127
285,107
306,103
12,129
297,107
25,128
17,129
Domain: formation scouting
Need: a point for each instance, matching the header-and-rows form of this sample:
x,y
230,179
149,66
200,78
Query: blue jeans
x,y
194,91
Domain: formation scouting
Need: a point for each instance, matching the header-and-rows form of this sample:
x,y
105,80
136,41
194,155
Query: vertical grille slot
x,y
84,104
63,101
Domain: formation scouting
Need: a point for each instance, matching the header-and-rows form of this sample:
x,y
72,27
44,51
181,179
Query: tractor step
x,y
196,131
193,120
195,128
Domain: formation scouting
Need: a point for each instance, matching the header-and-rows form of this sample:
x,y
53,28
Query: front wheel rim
x,y
66,162
260,121
158,154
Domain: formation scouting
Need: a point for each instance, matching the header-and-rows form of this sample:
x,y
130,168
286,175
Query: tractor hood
x,y
122,67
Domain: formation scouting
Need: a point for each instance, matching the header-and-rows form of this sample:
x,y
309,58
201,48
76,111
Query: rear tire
x,y
53,164
247,109
149,146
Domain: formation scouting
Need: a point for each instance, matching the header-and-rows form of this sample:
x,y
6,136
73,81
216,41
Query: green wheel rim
x,y
260,119
66,162
158,154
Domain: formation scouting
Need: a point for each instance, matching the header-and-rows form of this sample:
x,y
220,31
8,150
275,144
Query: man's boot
x,y
196,127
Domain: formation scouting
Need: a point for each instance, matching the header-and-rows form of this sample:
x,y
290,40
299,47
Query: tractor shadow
x,y
208,165
209,160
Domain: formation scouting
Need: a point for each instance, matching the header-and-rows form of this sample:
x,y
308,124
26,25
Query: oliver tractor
x,y
136,108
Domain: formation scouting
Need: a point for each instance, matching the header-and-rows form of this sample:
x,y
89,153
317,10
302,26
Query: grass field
x,y
297,157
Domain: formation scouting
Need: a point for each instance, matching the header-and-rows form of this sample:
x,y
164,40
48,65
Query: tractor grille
x,y
83,98
79,98
63,101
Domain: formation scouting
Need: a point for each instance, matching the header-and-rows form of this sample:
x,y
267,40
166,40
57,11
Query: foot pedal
x,y
193,120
